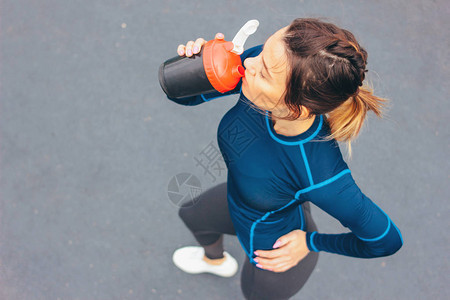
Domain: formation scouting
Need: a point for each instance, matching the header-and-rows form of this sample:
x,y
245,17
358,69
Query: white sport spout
x,y
239,40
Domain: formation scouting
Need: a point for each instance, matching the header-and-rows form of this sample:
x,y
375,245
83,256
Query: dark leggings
x,y
208,218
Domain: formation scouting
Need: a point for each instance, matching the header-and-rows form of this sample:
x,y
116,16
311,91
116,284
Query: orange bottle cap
x,y
222,67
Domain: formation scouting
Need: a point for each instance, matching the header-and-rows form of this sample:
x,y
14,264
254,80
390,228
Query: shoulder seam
x,y
321,184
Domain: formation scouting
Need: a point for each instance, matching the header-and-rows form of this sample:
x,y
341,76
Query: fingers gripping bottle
x,y
217,67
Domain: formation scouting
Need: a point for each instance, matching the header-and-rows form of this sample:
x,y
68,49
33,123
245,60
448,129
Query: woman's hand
x,y
192,47
290,249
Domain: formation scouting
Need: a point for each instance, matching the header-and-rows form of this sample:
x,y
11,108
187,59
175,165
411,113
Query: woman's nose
x,y
249,65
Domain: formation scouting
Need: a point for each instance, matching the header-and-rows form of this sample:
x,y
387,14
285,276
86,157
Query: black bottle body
x,y
183,76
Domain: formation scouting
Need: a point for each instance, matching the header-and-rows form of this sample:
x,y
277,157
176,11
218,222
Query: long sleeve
x,y
373,234
199,99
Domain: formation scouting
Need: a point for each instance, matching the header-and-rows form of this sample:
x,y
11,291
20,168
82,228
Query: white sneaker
x,y
190,260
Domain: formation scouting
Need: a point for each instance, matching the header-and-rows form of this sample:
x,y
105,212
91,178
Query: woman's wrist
x,y
310,241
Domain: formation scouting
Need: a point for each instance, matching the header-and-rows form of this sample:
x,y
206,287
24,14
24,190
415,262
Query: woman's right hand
x,y
192,47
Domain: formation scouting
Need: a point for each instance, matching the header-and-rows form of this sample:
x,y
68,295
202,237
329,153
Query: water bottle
x,y
217,67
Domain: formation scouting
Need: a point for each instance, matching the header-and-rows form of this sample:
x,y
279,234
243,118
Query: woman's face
x,y
266,74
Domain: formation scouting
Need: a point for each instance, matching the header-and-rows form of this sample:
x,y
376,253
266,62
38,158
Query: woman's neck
x,y
292,128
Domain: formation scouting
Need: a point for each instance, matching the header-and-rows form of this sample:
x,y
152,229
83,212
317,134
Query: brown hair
x,y
327,69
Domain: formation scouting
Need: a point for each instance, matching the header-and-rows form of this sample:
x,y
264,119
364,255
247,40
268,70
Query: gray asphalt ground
x,y
89,144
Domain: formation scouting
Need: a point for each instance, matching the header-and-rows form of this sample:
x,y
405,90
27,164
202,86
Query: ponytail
x,y
347,119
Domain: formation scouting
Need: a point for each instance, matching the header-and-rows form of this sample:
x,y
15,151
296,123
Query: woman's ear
x,y
306,113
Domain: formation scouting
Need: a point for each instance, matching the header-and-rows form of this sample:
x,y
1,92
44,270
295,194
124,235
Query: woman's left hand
x,y
290,249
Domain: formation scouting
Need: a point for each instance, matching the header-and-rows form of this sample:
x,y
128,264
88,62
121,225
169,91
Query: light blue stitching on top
x,y
316,186
308,170
302,217
206,100
252,229
381,236
386,231
323,183
296,142
334,178
311,241
398,231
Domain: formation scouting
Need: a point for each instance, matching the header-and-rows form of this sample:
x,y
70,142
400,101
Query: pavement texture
x,y
89,147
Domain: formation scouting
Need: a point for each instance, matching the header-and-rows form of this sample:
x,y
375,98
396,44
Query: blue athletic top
x,y
270,175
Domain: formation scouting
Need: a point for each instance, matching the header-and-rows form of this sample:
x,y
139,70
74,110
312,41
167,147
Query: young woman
x,y
302,92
